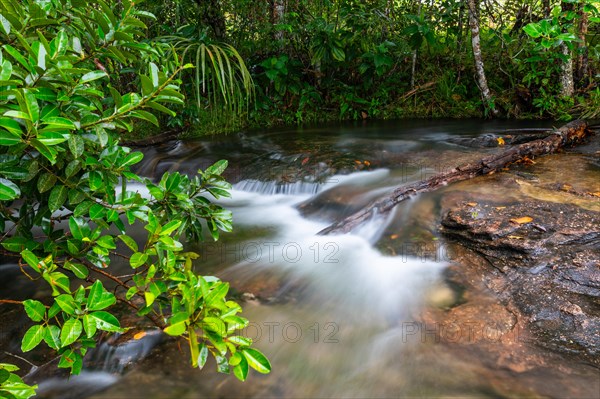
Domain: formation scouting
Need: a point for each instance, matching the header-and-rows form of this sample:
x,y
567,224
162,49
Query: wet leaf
x,y
139,335
522,220
566,187
70,331
32,338
257,360
35,310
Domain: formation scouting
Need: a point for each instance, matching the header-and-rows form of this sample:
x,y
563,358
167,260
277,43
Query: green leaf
x,y
79,270
16,54
51,138
147,86
170,227
59,123
96,181
533,30
107,242
149,297
89,325
35,310
161,108
215,325
138,259
99,298
70,331
154,74
8,138
58,196
32,338
8,190
240,341
32,106
241,369
130,242
4,375
45,182
216,294
67,303
18,244
91,76
47,152
52,337
79,228
257,360
97,211
177,324
31,260
217,168
106,321
338,53
132,159
202,355
76,145
11,125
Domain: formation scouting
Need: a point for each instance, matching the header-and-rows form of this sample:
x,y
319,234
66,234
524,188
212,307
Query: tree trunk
x,y
277,13
567,84
212,16
572,133
582,54
479,68
414,55
459,28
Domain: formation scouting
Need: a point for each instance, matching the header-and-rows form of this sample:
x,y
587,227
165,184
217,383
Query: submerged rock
x,y
546,258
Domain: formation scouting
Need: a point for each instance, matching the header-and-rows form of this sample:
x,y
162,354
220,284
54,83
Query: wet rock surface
x,y
543,260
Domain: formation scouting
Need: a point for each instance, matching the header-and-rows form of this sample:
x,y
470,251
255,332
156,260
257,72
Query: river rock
x,y
546,258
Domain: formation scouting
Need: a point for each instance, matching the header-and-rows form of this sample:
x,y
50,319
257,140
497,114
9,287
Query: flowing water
x,y
338,316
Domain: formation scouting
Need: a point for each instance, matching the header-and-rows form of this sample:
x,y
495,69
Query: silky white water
x,y
340,307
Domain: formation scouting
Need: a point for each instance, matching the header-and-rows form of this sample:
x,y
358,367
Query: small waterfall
x,y
114,357
103,367
271,187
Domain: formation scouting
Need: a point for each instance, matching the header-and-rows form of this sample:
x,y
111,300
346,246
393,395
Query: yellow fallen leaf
x,y
566,187
471,203
367,163
394,236
596,194
522,220
515,237
500,208
139,335
500,141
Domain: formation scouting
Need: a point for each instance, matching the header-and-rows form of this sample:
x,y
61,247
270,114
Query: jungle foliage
x,y
345,59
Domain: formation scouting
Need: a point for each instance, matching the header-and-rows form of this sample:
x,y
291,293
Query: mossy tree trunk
x,y
486,94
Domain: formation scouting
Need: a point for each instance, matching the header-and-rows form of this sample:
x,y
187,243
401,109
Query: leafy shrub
x,y
75,76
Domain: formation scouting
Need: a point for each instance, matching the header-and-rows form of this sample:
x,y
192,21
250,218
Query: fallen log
x,y
570,134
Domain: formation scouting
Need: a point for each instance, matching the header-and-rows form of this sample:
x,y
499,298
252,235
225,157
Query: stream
x,y
346,316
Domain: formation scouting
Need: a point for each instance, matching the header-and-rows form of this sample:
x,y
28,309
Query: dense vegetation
x,y
72,80
344,59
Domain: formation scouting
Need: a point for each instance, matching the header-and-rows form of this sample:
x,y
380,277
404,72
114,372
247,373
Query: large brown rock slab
x,y
547,258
